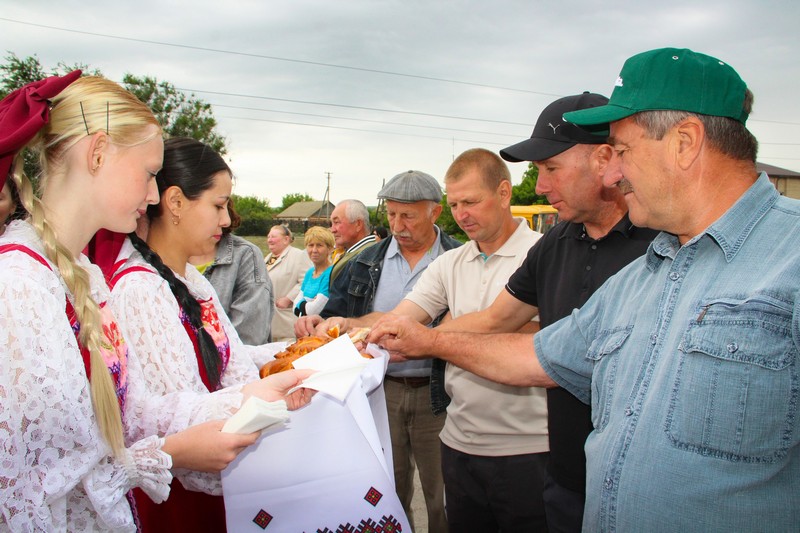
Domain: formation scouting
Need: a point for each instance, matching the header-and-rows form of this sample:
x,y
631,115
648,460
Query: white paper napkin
x,y
257,414
338,365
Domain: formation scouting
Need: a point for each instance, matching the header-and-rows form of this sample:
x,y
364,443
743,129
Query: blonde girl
x,y
69,384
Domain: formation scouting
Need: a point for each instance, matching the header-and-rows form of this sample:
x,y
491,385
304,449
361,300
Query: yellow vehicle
x,y
540,217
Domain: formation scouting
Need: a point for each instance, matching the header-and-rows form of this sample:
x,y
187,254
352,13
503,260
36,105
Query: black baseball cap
x,y
553,135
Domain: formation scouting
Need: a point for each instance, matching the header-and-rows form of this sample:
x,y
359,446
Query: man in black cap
x,y
594,240
377,279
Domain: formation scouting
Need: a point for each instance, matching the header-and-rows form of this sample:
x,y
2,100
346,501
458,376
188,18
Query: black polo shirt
x,y
562,270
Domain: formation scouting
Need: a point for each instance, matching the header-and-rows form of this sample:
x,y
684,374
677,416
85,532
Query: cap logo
x,y
554,127
618,83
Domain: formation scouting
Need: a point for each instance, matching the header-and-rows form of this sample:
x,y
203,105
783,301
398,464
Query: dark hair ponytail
x,y
208,350
191,166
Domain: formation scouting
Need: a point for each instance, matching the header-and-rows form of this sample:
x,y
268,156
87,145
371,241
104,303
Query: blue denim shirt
x,y
689,359
240,278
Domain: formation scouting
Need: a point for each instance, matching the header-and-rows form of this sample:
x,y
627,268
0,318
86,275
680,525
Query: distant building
x,y
302,215
786,181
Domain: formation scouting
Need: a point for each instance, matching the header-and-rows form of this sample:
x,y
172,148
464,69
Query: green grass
x,y
261,242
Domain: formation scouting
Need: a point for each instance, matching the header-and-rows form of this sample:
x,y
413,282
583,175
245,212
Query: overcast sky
x,y
364,90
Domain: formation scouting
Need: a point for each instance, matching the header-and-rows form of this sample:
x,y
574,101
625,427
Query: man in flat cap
x,y
688,356
376,280
494,441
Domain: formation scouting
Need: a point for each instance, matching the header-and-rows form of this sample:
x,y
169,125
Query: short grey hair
x,y
355,210
726,135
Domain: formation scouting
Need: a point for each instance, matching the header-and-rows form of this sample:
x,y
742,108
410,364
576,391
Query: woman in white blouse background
x,y
286,266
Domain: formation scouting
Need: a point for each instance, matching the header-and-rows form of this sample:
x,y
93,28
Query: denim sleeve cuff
x,y
552,370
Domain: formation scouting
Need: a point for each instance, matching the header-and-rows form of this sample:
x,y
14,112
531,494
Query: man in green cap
x,y
689,356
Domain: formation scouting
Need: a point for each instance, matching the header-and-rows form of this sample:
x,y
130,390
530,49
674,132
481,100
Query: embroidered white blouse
x,y
56,472
149,316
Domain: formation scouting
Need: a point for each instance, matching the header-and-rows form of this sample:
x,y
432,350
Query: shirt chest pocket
x,y
358,289
603,352
736,390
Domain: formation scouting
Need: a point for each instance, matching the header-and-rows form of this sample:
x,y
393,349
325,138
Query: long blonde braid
x,y
88,105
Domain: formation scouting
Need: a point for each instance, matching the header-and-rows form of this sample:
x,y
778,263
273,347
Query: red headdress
x,y
23,113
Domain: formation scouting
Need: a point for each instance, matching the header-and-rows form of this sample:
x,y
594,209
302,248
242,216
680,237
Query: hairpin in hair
x,y
85,124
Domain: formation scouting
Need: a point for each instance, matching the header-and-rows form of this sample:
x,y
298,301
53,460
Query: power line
x,y
277,58
347,106
476,143
330,65
471,141
322,64
386,122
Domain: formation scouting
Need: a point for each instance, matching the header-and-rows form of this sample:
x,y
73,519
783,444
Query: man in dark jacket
x,y
377,279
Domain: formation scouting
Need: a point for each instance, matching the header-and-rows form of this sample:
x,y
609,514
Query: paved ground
x,y
418,506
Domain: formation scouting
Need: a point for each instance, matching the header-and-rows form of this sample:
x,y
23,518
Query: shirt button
x,y
608,483
732,347
594,247
653,339
628,411
674,276
588,267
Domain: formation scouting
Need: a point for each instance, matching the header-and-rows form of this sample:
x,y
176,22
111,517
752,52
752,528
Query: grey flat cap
x,y
412,186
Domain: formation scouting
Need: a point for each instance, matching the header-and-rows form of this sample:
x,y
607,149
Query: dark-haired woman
x,y
171,313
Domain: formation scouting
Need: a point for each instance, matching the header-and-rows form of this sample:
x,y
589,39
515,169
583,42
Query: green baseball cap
x,y
670,79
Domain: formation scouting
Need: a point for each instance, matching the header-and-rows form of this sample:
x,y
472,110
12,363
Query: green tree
x,y
448,223
256,215
525,192
293,198
178,114
17,72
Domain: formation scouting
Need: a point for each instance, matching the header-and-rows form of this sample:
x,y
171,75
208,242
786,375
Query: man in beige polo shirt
x,y
494,441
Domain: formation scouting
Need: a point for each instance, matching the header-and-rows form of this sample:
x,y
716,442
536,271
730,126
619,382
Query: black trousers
x,y
564,507
494,494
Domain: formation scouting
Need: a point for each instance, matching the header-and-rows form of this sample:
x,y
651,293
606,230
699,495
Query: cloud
x,y
540,49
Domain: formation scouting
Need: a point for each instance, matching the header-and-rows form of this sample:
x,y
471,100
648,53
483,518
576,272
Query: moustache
x,y
625,186
402,234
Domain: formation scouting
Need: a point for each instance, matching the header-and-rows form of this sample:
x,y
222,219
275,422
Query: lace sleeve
x,y
165,390
56,474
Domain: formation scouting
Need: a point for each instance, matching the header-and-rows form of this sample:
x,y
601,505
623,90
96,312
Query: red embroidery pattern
x,y
373,496
390,524
387,524
262,519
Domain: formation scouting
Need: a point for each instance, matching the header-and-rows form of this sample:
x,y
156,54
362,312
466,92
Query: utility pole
x,y
380,210
327,198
